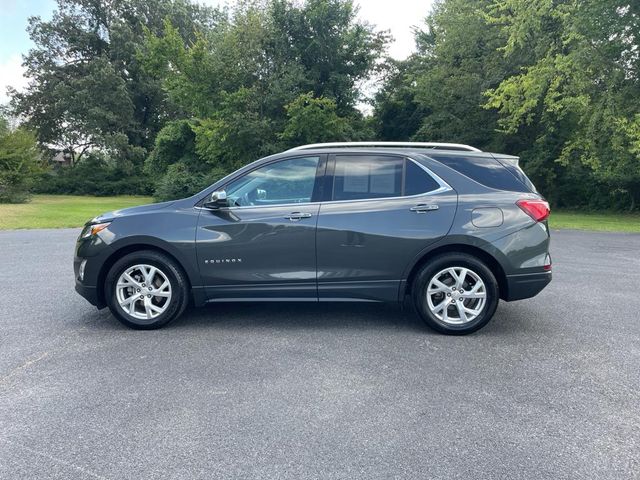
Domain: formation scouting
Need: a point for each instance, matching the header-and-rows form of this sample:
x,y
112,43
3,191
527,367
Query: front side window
x,y
359,177
287,181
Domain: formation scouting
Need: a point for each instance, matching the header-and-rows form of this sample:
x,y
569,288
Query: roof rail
x,y
444,146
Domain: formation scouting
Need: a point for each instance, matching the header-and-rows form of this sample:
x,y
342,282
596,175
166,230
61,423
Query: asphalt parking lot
x,y
549,389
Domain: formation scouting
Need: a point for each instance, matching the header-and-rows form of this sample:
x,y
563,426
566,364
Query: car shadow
x,y
511,319
294,315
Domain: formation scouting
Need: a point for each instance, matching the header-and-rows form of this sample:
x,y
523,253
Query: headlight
x,y
91,230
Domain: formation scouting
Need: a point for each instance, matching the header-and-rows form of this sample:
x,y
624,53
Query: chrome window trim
x,y
419,195
227,209
443,187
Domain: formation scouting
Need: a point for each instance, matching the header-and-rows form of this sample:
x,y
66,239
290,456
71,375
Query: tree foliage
x,y
268,75
195,92
95,175
313,119
88,90
556,82
581,89
20,163
180,181
437,94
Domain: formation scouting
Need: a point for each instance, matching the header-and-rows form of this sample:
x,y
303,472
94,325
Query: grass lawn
x,y
58,211
605,222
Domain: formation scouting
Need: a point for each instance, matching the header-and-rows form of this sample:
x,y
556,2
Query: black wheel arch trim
x,y
494,258
127,245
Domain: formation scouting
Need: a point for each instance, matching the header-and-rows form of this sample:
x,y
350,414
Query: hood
x,y
108,216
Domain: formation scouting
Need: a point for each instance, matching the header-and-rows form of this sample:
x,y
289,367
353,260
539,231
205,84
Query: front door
x,y
262,246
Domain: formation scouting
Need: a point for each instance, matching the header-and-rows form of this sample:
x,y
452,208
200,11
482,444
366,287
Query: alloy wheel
x,y
143,292
456,295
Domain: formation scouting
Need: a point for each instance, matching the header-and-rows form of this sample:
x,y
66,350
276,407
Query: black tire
x,y
440,263
174,274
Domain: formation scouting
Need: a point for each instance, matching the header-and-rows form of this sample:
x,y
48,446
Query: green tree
x,y
553,81
313,120
332,49
174,143
397,114
221,83
88,89
437,94
242,86
180,182
20,163
578,96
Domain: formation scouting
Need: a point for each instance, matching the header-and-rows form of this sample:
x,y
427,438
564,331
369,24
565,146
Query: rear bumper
x,y
526,285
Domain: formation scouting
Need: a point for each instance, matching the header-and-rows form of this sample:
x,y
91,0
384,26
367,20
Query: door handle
x,y
424,208
295,216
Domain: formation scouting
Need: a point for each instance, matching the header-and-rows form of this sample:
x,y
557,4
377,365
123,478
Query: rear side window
x,y
359,177
485,170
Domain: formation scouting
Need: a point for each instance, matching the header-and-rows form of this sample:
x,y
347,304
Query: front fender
x,y
183,253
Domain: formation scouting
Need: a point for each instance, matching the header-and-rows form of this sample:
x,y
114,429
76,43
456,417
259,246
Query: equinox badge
x,y
223,260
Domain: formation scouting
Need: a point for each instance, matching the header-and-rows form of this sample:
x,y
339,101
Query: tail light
x,y
537,209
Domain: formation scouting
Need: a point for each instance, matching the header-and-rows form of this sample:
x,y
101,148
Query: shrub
x,y
174,143
94,176
20,164
181,182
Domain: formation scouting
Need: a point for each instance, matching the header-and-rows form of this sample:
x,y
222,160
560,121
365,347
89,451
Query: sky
x,y
398,16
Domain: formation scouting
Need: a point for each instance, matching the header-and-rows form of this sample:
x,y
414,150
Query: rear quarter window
x,y
484,170
418,181
519,174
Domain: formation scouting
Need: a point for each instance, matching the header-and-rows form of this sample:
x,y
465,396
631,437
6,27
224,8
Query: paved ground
x,y
550,389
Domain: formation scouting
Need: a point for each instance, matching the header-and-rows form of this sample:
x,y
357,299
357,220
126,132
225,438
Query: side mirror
x,y
218,200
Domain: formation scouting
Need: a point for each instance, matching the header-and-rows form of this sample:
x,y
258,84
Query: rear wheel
x,y
456,294
146,290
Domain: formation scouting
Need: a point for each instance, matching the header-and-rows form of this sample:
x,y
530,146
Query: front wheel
x,y
146,290
456,294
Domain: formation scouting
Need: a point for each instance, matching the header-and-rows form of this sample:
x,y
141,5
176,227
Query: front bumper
x,y
526,285
94,253
90,294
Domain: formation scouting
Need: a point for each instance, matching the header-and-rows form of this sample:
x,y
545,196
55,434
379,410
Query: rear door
x,y
382,211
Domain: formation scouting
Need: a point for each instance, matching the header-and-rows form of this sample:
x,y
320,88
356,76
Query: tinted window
x,y
288,181
358,177
417,180
484,170
517,172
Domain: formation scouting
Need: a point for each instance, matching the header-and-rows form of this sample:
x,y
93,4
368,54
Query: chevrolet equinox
x,y
454,228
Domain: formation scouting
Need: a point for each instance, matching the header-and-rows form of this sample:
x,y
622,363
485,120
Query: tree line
x,y
165,96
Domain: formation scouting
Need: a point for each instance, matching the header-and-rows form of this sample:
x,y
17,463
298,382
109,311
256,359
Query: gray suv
x,y
451,227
